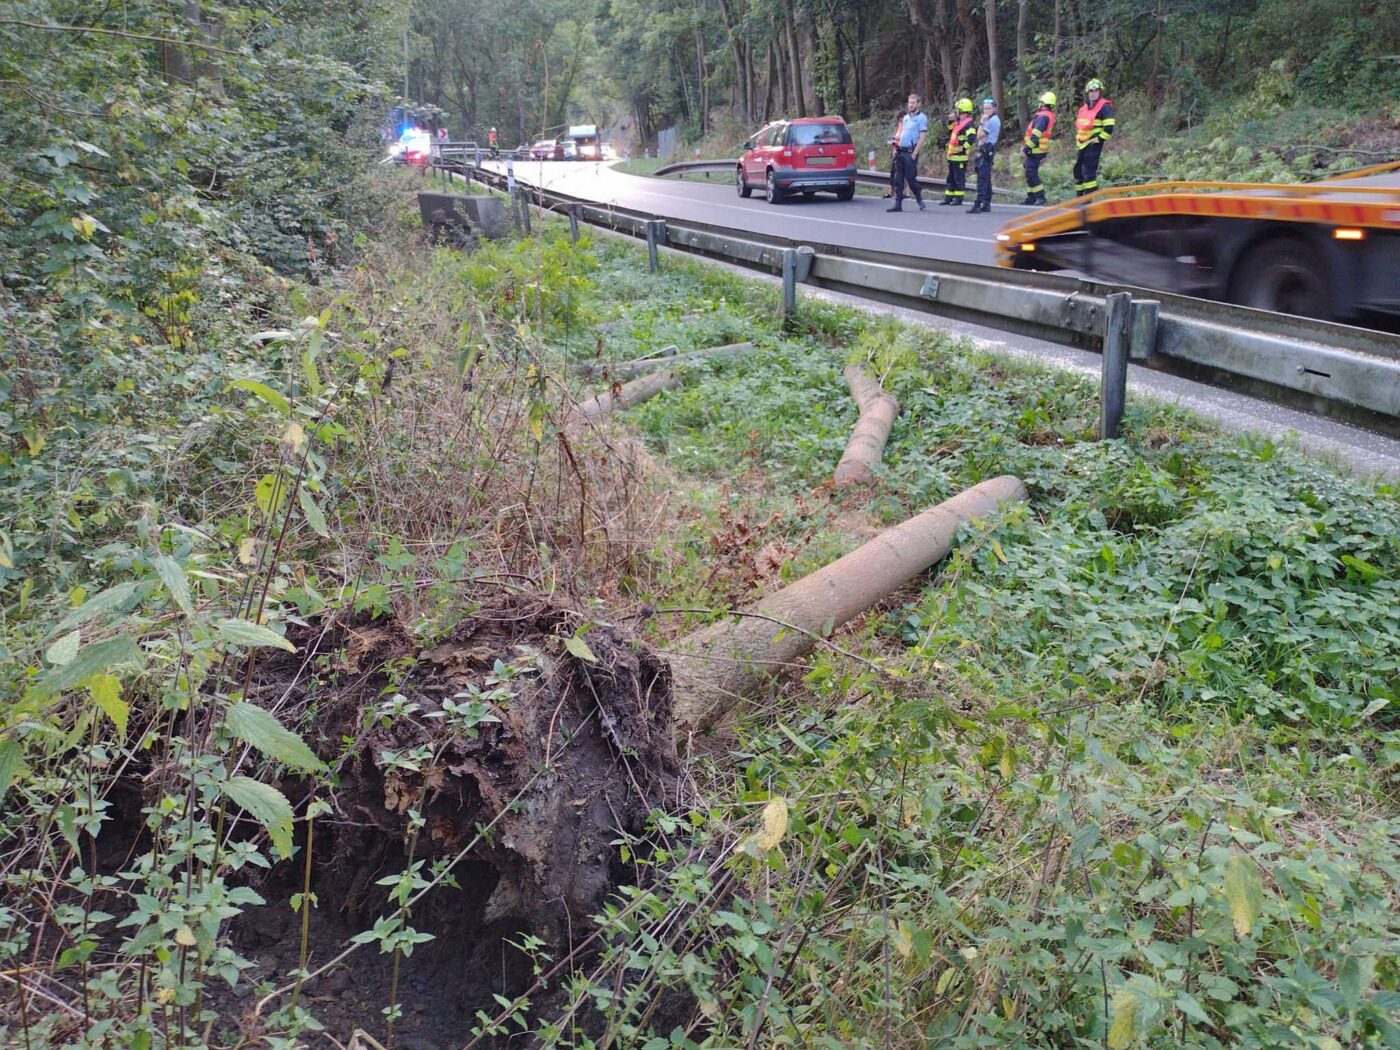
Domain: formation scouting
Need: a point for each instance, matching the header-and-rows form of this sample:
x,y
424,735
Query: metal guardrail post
x,y
789,281
1117,330
1142,341
656,235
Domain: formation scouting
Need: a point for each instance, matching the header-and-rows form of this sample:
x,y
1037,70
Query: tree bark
x,y
716,668
622,397
968,59
794,61
1023,46
994,54
628,369
866,448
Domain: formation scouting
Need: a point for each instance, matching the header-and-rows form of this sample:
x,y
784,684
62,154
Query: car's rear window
x,y
819,135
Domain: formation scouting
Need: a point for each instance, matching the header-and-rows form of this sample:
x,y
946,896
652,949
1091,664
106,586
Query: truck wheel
x,y
772,192
745,190
1285,276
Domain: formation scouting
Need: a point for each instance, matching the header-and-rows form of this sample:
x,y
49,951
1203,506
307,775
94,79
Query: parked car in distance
x,y
806,155
547,149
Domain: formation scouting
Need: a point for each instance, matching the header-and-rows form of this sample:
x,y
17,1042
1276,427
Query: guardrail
x,y
864,176
1328,364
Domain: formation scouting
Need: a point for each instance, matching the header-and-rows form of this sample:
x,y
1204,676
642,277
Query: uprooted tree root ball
x,y
498,751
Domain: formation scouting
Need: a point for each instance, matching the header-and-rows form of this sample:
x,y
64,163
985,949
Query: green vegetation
x,y
1123,770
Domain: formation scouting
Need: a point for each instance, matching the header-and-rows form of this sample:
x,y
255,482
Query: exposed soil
x,y
581,753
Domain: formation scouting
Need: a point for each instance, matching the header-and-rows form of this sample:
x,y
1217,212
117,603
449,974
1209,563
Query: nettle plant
x,y
140,780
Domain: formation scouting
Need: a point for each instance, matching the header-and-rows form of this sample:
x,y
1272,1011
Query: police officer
x,y
988,132
908,140
1092,126
961,132
1036,145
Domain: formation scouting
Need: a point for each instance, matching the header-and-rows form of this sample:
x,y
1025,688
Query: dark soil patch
x,y
580,753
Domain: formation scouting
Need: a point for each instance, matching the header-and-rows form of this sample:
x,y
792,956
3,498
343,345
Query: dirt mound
x,y
497,752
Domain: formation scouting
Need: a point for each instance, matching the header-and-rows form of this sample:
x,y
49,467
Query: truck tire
x,y
1284,275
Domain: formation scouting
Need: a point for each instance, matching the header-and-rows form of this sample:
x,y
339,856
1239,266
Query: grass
x,y
1122,770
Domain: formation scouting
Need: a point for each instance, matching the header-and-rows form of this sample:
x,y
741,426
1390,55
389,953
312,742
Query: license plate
x,y
820,162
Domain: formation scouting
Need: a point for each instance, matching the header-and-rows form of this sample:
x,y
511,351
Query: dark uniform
x,y
1092,127
962,131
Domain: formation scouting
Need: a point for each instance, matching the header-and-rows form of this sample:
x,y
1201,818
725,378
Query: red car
x,y
805,155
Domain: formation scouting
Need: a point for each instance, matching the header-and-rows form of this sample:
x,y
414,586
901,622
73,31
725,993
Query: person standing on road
x,y
1092,126
491,141
961,132
1036,145
988,132
907,142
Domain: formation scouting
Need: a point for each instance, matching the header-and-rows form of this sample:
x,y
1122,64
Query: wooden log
x,y
866,448
629,394
671,359
721,665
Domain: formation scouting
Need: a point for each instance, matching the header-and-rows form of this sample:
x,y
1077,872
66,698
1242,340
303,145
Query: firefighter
x,y
491,142
1092,127
962,129
1039,132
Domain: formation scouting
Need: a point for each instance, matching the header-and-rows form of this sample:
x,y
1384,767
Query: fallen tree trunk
x,y
668,357
721,665
867,445
627,395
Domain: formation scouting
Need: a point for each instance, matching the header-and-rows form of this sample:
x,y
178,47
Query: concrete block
x,y
482,213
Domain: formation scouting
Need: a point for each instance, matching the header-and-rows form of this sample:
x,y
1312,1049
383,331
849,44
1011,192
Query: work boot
x,y
923,206
895,208
1030,199
1039,199
946,201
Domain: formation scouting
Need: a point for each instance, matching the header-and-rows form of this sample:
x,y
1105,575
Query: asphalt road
x,y
938,233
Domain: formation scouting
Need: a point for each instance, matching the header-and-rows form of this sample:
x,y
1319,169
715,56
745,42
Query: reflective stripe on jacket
x,y
1040,131
961,133
1094,123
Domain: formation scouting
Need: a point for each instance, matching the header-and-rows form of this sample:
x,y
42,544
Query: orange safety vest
x,y
1039,142
1088,125
959,137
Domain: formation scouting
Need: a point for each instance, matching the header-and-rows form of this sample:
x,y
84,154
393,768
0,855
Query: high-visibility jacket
x,y
961,134
1040,130
1094,123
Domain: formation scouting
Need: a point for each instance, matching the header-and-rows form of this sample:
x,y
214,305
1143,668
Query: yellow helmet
x,y
1094,85
1047,99
964,105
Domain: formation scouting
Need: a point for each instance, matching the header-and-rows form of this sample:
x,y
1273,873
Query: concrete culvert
x,y
719,667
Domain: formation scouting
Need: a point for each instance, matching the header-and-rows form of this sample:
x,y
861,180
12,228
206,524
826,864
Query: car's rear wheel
x,y
1284,276
745,190
846,194
771,191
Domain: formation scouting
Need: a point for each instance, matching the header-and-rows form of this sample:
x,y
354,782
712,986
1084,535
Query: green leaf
x,y
106,690
268,806
314,517
270,494
11,765
262,390
1244,892
579,648
91,660
110,600
170,573
260,728
242,632
63,650
1124,1031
